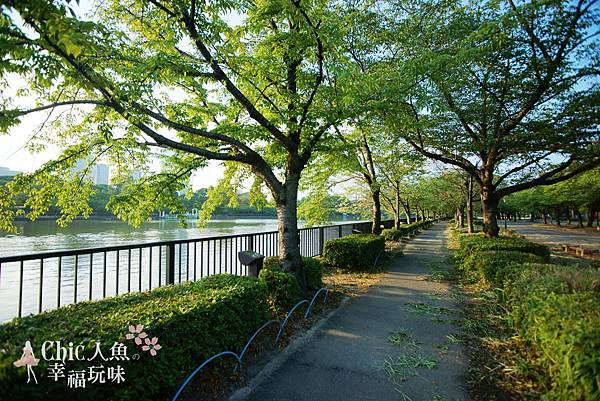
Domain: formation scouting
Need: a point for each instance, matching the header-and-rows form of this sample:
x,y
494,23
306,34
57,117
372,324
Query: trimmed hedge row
x,y
353,252
192,322
395,234
556,309
497,268
472,243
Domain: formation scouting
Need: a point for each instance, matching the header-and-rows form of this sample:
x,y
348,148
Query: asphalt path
x,y
554,236
396,342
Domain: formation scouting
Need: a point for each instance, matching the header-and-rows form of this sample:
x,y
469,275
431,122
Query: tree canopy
x,y
507,91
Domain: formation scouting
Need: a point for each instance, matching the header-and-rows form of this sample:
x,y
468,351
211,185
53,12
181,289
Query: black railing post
x,y
250,242
170,263
321,239
340,231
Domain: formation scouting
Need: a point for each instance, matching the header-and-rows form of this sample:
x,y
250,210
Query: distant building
x,y
97,173
6,172
100,174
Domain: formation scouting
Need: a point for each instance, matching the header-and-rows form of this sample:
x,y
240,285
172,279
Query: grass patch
x,y
454,339
439,273
404,366
403,339
435,313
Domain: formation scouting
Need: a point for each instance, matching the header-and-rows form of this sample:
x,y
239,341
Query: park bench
x,y
581,251
566,247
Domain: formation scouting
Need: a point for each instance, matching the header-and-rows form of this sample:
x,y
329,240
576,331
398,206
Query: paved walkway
x,y
345,359
554,236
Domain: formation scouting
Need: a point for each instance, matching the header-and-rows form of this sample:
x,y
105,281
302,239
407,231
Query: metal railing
x,y
33,283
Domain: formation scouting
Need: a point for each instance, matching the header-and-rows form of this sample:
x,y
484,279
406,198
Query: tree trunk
x,y
579,218
469,205
489,206
287,226
569,218
558,216
376,198
590,217
407,212
545,217
397,215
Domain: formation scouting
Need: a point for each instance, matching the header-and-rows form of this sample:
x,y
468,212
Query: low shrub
x,y
313,270
271,262
353,252
314,273
395,234
392,234
469,243
192,322
283,288
557,309
496,268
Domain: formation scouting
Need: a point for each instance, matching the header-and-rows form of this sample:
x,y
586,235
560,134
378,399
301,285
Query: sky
x,y
15,156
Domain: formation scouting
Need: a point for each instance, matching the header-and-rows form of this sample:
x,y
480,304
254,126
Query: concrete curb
x,y
275,363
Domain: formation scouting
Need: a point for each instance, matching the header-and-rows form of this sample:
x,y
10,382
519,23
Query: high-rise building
x,y
6,172
100,174
97,173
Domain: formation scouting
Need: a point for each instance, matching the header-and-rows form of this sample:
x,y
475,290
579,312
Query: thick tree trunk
x,y
558,216
376,212
289,236
489,208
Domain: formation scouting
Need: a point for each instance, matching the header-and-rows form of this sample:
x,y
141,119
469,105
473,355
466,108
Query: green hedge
x,y
314,273
282,287
395,234
354,252
497,268
313,270
470,243
557,310
192,322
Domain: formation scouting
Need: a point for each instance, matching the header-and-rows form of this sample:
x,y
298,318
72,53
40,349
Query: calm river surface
x,y
75,279
45,235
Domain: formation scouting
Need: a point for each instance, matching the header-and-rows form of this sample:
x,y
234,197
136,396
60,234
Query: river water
x,y
70,279
45,235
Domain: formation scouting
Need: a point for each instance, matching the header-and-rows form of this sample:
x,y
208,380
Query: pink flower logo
x,y
136,333
151,345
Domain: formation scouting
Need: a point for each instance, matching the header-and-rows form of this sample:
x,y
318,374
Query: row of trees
x,y
574,199
295,92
